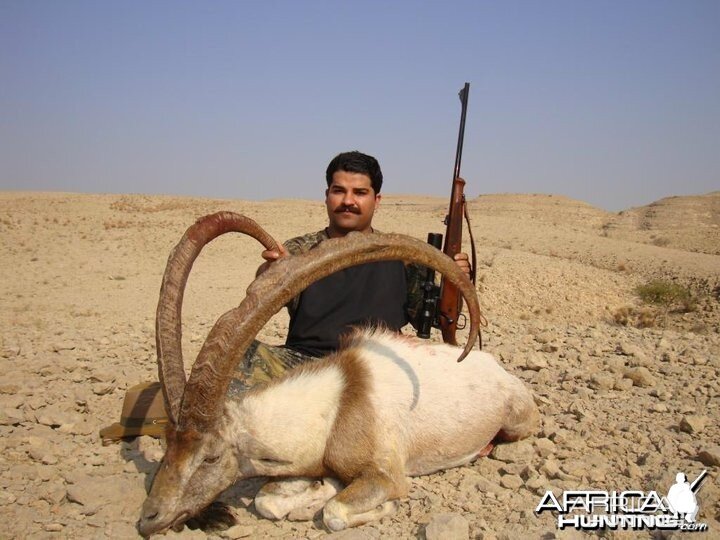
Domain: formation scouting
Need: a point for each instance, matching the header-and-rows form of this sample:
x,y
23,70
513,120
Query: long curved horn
x,y
168,321
233,332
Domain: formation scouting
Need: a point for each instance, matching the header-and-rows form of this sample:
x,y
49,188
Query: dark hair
x,y
356,162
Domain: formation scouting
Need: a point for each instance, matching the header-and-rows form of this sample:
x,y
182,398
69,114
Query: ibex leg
x,y
364,500
522,417
296,498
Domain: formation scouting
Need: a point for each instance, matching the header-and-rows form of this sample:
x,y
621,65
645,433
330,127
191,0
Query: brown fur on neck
x,y
352,439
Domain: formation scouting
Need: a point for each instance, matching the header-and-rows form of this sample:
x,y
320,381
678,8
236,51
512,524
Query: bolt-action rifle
x,y
442,304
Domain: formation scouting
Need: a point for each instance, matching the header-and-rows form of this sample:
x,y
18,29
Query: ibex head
x,y
196,468
201,460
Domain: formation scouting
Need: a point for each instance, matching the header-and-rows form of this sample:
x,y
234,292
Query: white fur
x,y
430,413
297,498
292,419
421,394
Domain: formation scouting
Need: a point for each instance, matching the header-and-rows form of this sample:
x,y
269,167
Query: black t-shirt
x,y
368,294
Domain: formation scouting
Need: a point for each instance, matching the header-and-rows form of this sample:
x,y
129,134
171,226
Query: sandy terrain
x,y
623,407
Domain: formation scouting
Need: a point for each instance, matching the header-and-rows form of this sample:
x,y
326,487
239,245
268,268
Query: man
x,y
386,293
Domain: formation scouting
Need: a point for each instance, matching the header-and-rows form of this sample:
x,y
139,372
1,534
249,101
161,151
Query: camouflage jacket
x,y
414,273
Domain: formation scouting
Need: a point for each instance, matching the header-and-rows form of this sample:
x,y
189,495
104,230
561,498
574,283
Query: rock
x,y
543,377
633,471
615,364
573,470
351,534
710,456
151,448
536,482
488,486
560,437
63,346
11,417
693,424
120,530
468,484
518,452
54,418
96,521
640,359
640,376
602,381
81,428
42,454
629,349
550,427
511,481
513,468
536,362
597,475
49,459
688,449
87,492
545,447
8,387
103,376
581,410
544,337
10,351
550,469
52,491
7,498
447,526
102,388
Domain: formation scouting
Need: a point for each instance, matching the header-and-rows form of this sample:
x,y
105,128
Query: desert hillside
x,y
628,389
690,223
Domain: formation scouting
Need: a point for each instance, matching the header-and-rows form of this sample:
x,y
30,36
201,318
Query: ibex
x,y
383,408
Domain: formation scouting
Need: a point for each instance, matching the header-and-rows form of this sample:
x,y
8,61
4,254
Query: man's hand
x,y
272,255
463,261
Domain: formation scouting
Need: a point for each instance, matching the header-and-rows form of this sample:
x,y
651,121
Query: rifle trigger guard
x,y
462,321
446,318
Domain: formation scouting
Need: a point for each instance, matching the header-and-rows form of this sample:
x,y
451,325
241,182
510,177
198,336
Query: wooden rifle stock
x,y
450,302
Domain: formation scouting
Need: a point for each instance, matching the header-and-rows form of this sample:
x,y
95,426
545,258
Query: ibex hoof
x,y
335,524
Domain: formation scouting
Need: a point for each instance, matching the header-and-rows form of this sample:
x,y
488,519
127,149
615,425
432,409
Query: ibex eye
x,y
212,459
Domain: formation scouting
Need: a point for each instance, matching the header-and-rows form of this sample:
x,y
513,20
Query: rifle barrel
x,y
464,94
696,483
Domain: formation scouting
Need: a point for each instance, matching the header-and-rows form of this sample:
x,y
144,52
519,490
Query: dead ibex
x,y
383,408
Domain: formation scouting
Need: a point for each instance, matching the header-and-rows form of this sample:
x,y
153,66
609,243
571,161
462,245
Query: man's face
x,y
350,202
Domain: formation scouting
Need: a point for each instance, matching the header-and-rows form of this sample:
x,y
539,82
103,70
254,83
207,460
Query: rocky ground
x,y
628,391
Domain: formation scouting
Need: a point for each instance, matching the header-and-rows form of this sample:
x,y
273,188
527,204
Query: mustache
x,y
343,208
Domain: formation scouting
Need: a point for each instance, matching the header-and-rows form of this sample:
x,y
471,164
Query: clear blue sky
x,y
616,103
